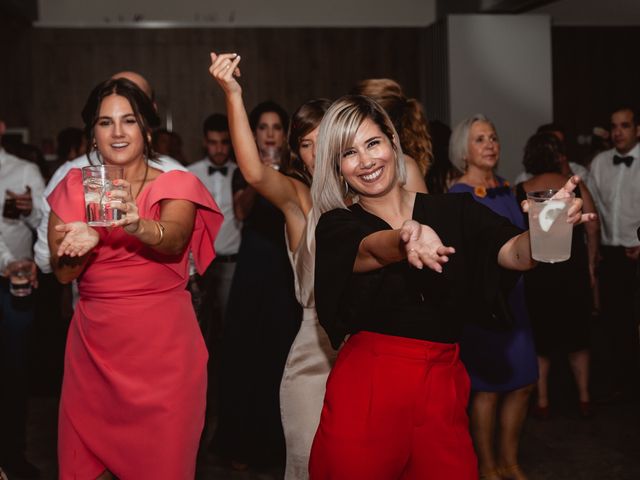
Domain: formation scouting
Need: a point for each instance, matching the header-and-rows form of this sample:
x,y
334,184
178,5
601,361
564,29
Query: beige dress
x,y
308,364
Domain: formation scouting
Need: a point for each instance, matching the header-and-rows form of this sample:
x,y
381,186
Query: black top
x,y
404,301
264,218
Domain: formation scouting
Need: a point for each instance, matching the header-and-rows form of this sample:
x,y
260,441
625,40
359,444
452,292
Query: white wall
x,y
500,65
239,13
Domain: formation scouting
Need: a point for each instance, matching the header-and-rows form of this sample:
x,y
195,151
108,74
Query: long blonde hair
x,y
337,131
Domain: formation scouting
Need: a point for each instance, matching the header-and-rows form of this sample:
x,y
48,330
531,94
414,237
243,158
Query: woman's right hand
x,y
224,68
79,239
423,246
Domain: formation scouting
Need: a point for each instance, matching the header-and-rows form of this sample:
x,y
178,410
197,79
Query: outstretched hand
x,y
424,247
224,68
574,214
79,239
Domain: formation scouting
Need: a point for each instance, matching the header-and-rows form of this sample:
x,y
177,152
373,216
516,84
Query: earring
x,y
346,187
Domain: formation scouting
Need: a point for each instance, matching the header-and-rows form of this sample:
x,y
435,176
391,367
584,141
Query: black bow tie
x,y
222,170
617,159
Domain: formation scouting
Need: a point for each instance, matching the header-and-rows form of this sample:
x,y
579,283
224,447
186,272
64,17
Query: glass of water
x,y
550,233
97,181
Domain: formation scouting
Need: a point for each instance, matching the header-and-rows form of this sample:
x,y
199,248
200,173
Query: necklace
x,y
144,179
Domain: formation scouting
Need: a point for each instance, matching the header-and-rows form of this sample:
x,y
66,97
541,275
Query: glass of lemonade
x,y
550,233
97,180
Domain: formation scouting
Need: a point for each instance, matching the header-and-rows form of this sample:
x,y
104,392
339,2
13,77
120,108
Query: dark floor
x,y
565,447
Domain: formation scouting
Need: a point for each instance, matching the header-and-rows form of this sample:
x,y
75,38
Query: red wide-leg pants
x,y
395,408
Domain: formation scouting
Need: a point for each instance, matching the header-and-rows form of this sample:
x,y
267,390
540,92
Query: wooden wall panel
x,y
286,65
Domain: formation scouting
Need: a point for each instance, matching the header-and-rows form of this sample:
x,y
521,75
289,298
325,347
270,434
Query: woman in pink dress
x,y
133,396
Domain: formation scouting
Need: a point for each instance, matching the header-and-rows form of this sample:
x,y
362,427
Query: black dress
x,y
558,297
403,301
262,319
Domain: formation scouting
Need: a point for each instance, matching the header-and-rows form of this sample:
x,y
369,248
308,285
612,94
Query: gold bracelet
x,y
160,231
160,228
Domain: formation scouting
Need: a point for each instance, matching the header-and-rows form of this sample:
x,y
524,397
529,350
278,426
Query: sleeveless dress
x,y
135,377
500,361
308,364
262,319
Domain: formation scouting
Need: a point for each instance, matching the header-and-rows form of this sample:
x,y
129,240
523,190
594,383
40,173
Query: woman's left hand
x,y
424,247
574,215
122,200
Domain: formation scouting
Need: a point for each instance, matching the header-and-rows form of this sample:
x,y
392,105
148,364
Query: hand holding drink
x,y
552,215
16,204
98,182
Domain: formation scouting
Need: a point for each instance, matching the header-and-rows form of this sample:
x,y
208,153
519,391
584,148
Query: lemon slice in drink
x,y
549,213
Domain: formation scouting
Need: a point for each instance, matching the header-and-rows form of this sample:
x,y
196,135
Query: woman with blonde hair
x,y
408,118
395,404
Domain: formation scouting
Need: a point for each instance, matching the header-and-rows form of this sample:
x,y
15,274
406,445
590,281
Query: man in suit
x,y
613,181
215,170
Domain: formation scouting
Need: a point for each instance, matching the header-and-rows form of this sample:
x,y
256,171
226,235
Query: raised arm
x,y
279,189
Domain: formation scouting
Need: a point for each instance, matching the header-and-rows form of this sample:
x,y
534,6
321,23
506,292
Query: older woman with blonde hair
x,y
502,364
396,399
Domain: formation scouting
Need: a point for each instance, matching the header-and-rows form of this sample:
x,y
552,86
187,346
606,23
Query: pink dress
x,y
133,395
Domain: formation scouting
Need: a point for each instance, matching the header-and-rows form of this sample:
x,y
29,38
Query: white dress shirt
x,y
219,185
616,191
16,236
41,248
575,168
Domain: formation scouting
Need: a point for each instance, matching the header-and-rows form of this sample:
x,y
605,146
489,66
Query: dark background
x,y
48,72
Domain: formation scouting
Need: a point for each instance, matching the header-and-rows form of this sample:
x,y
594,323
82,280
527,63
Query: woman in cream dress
x,y
311,356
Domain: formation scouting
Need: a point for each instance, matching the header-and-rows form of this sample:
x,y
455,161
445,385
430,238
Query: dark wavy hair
x,y
407,115
266,107
304,120
142,106
543,153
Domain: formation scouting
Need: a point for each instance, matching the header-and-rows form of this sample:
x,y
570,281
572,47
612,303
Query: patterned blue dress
x,y
500,361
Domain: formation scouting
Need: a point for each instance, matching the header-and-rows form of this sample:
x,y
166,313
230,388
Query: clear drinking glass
x,y
272,156
97,181
20,279
550,233
10,209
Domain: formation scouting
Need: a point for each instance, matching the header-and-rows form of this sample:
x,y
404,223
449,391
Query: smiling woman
x,y
134,349
395,403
